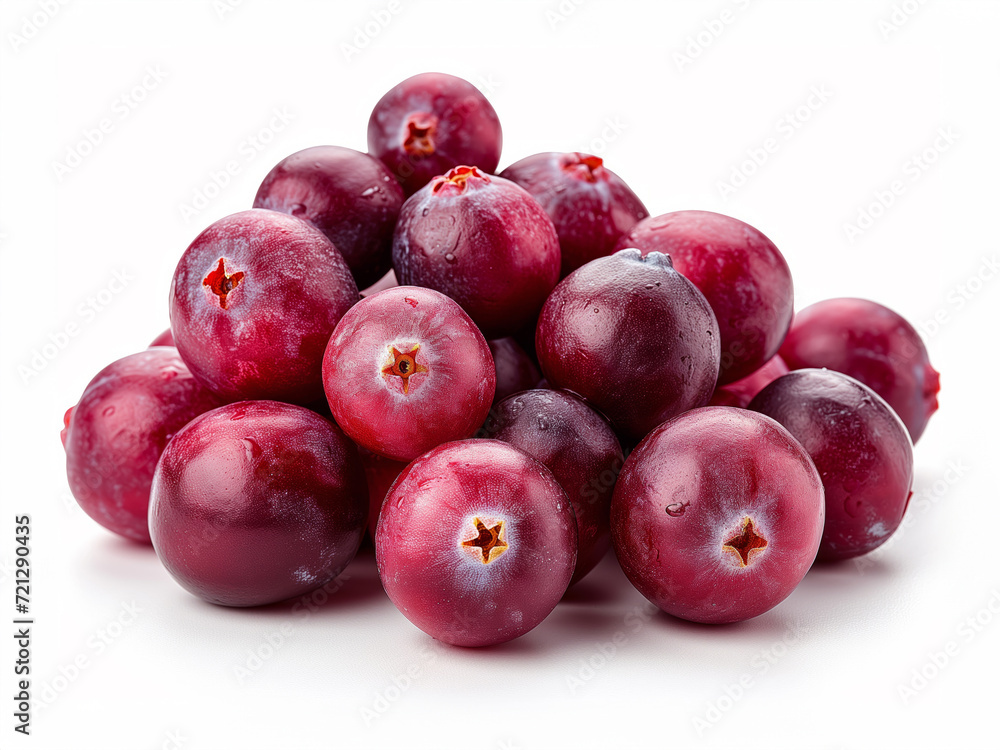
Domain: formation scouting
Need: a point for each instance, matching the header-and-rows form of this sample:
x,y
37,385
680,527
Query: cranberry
x,y
257,502
380,472
589,204
740,392
633,337
717,515
516,371
861,448
253,302
580,449
406,370
476,543
873,344
430,123
115,435
741,273
349,196
164,339
483,241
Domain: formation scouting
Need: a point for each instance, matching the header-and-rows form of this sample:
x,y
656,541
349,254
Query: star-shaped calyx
x,y
745,543
221,284
404,365
490,540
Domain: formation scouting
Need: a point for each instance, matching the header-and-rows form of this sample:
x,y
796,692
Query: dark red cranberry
x,y
115,435
580,449
349,196
741,392
406,370
164,339
739,270
633,337
589,204
873,344
483,241
430,123
257,502
253,302
516,371
717,515
476,543
861,448
380,472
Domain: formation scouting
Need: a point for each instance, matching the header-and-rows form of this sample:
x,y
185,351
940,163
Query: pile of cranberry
x,y
518,336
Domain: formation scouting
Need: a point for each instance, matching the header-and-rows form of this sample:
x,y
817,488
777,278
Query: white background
x,y
829,668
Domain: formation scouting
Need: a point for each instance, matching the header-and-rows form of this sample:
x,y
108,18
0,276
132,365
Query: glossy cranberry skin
x,y
740,271
380,472
116,433
590,205
741,392
580,449
633,337
164,339
861,448
476,543
406,370
515,369
873,344
253,302
717,515
430,123
256,502
349,196
483,241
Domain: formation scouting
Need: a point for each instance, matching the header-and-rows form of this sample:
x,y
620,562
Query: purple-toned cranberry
x,y
741,392
742,274
476,543
164,339
633,337
483,241
116,433
406,370
349,196
861,448
380,472
589,204
873,344
253,302
430,123
516,371
256,502
580,449
717,515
